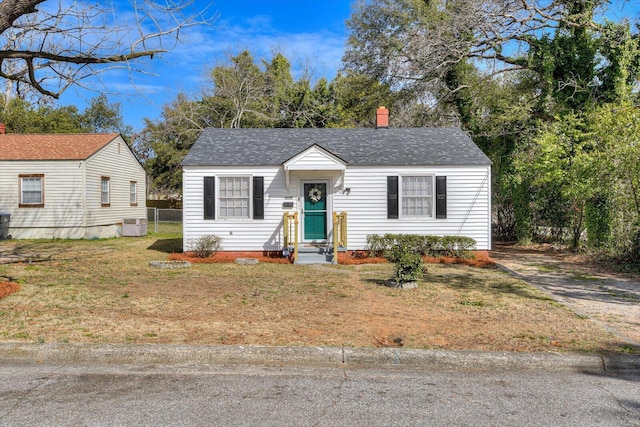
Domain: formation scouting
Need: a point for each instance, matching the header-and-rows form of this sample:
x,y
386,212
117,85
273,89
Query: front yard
x,y
105,292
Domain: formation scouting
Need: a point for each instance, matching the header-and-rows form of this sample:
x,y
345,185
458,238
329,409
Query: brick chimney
x,y
2,128
382,118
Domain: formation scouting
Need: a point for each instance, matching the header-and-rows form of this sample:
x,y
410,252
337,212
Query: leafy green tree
x,y
102,117
566,165
357,96
617,127
278,88
619,71
324,111
164,142
19,116
598,218
582,174
239,92
243,93
247,94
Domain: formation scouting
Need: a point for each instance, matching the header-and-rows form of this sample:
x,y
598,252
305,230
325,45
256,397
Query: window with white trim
x,y
233,196
133,193
417,196
105,191
31,191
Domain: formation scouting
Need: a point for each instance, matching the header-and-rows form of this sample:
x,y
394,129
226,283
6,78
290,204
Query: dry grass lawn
x,y
106,292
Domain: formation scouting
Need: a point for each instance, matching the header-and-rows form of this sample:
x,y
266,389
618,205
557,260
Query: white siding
x,y
70,195
63,198
115,161
237,234
468,205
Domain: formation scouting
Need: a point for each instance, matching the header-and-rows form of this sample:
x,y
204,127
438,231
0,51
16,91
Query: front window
x,y
133,193
31,191
234,197
105,193
417,196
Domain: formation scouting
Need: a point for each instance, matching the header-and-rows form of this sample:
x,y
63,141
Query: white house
x,y
69,185
239,183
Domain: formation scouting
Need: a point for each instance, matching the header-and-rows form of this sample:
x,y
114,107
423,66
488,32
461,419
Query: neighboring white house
x,y
69,185
237,183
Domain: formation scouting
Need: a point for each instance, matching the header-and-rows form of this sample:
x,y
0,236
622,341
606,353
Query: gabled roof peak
x,y
315,147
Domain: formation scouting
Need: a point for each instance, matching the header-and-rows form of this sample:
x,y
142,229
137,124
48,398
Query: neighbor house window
x,y
417,196
105,191
31,191
233,195
133,193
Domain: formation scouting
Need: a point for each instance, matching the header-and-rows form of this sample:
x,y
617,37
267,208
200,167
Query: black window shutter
x,y
441,196
209,197
258,197
392,197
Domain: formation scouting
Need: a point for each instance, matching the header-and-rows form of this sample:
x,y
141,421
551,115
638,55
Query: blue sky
x,y
311,33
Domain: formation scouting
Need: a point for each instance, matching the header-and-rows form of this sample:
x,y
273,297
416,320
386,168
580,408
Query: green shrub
x,y
458,246
430,245
465,244
409,265
448,244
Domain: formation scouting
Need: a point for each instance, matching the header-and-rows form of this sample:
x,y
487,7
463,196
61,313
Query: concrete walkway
x,y
610,300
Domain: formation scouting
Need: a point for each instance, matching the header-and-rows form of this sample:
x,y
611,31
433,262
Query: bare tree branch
x,y
12,10
51,45
400,41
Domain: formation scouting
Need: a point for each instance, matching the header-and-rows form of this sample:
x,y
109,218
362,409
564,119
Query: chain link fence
x,y
165,221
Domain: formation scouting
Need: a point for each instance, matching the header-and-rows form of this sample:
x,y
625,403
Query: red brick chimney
x,y
382,118
2,128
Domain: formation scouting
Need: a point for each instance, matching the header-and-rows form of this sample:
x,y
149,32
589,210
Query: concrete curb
x,y
311,356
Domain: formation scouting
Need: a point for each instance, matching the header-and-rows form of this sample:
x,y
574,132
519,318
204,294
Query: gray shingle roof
x,y
358,147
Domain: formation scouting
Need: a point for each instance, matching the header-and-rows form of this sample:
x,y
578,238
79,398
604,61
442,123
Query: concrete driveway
x,y
611,300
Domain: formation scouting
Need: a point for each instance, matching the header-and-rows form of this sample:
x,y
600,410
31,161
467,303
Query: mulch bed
x,y
230,257
7,288
480,259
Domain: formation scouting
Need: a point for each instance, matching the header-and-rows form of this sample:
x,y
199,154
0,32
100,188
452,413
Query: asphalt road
x,y
61,394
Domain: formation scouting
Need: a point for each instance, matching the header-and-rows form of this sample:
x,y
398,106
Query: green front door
x,y
315,211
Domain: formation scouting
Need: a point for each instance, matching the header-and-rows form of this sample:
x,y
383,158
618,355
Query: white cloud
x,y
206,47
202,47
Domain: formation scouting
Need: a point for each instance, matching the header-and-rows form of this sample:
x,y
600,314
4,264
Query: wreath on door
x,y
315,195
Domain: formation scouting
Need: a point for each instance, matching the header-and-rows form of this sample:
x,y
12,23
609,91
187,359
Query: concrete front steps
x,y
316,254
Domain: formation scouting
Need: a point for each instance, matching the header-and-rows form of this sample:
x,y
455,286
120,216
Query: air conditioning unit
x,y
134,227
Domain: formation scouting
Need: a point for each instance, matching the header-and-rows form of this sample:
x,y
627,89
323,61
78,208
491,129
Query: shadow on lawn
x,y
470,282
379,282
168,246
